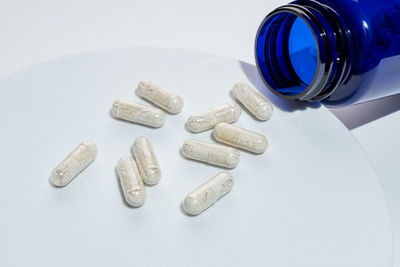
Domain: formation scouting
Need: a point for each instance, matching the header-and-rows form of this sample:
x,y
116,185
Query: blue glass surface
x,y
338,51
303,51
272,51
375,31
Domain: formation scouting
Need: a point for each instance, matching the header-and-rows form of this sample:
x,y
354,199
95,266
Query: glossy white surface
x,y
311,200
208,193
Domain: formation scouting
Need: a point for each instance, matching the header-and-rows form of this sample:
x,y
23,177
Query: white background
x,y
35,31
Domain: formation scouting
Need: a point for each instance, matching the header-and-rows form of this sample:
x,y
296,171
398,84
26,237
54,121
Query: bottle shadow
x,y
360,114
254,77
352,116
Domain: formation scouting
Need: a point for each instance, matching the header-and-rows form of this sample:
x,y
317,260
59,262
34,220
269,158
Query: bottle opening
x,y
301,51
287,53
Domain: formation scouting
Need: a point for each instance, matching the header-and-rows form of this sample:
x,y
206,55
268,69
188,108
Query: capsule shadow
x,y
360,114
185,212
187,128
53,185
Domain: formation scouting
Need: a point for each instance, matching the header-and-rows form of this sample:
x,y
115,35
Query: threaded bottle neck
x,y
302,51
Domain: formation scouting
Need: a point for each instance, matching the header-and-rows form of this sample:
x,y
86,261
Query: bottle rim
x,y
332,43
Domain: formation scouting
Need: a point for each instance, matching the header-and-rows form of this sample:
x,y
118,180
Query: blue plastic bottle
x,y
339,52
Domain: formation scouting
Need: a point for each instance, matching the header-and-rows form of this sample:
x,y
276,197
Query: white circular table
x,y
312,199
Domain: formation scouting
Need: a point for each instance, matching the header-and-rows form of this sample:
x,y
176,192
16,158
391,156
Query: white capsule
x,y
131,181
208,193
239,137
207,119
73,164
138,113
260,107
215,154
160,96
146,160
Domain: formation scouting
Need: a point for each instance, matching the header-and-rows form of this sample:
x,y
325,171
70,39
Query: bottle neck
x,y
302,51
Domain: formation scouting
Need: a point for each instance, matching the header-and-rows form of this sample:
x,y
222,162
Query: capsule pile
x,y
143,169
134,174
